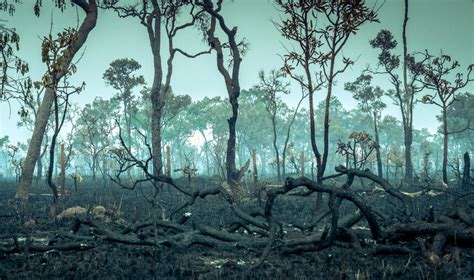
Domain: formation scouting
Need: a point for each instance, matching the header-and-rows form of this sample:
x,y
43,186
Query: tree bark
x,y
168,160
94,166
63,171
466,175
157,102
275,147
254,169
408,121
232,83
377,149
445,145
90,8
288,131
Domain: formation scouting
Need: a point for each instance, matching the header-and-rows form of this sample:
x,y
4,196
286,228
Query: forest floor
x,y
115,260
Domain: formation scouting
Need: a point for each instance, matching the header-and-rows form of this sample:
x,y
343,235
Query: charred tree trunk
x,y
232,83
49,175
408,159
254,164
466,175
302,164
168,160
288,131
63,171
154,34
408,120
445,145
377,149
94,167
275,146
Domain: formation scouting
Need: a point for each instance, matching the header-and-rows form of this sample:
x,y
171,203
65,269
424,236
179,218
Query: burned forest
x,y
245,139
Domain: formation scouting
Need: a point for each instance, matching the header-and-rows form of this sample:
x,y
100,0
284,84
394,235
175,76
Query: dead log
x,y
455,233
365,209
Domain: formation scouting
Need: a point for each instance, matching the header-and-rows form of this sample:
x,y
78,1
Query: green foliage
x,y
438,75
120,76
368,96
4,141
56,54
386,43
9,85
461,120
358,149
8,6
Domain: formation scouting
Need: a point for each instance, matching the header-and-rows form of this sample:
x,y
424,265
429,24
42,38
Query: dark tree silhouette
x,y
320,30
231,79
436,72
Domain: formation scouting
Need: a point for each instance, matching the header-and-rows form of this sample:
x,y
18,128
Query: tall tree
x,y
436,76
320,30
231,79
272,85
291,118
120,76
61,68
369,100
160,17
405,88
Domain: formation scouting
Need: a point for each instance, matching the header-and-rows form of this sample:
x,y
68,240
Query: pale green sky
x,y
435,25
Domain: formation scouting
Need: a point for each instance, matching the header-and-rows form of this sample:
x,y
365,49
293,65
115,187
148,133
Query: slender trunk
x,y
408,126
156,135
445,145
466,175
275,147
94,167
255,172
322,166
326,126
312,128
377,149
206,151
232,85
168,160
287,139
302,163
408,159
51,184
128,123
63,171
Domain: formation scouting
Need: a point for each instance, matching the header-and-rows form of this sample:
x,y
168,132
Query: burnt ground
x,y
106,259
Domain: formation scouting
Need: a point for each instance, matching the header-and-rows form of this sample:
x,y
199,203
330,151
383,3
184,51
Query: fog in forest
x,y
210,139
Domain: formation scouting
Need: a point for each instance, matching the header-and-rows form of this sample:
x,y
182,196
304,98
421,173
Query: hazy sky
x,y
435,25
